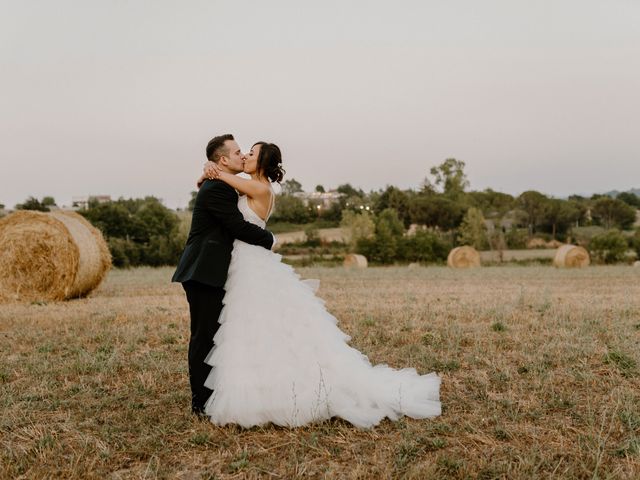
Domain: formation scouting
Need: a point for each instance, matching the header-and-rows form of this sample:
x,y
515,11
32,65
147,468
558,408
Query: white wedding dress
x,y
279,356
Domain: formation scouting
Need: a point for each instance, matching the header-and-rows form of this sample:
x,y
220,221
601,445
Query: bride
x,y
278,355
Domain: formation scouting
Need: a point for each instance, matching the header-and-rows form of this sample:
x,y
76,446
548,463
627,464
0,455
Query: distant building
x,y
80,202
325,199
505,223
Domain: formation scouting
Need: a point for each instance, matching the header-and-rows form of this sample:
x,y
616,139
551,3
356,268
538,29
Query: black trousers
x,y
205,304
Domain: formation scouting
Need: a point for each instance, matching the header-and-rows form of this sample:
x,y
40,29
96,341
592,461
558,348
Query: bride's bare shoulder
x,y
260,187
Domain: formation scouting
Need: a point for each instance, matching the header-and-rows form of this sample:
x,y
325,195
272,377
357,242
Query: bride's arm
x,y
250,187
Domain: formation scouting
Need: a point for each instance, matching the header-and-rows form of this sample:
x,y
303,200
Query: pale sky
x,y
120,97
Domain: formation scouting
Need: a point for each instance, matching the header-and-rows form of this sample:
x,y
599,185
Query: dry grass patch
x,y
540,367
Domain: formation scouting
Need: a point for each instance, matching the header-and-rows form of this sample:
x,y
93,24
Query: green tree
x,y
383,248
350,198
397,200
424,246
560,215
354,203
610,212
634,242
578,198
493,204
332,213
450,176
48,202
388,232
436,211
533,205
138,231
348,191
358,225
629,198
312,235
609,247
32,203
114,219
290,209
515,238
291,186
390,220
320,189
192,201
473,230
156,218
124,252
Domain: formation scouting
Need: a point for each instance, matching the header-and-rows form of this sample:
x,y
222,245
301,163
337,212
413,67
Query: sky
x,y
120,97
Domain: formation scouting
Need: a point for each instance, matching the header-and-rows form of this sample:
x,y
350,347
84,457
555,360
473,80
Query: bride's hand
x,y
211,170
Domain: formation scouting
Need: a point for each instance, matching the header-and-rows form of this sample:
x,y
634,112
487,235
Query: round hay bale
x,y
636,263
50,256
463,257
537,243
353,260
571,256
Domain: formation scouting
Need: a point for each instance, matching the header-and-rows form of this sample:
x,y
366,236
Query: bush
x,y
425,246
139,231
517,238
313,236
383,247
583,235
33,203
162,250
472,230
389,244
609,247
358,225
333,213
124,252
291,209
634,242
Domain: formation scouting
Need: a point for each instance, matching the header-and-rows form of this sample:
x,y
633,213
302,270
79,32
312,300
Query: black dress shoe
x,y
198,411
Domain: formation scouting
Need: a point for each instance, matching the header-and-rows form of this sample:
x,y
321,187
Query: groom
x,y
202,270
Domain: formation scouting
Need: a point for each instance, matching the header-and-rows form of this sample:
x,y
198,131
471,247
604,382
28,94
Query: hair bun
x,y
270,161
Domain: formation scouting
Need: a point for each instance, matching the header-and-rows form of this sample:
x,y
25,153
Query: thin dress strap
x,y
272,203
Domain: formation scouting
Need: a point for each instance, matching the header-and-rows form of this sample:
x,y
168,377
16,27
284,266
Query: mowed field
x,y
540,379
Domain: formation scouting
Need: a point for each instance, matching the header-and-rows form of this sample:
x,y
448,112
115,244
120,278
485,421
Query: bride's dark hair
x,y
270,161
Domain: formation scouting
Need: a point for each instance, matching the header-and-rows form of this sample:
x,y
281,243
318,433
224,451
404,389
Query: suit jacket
x,y
215,224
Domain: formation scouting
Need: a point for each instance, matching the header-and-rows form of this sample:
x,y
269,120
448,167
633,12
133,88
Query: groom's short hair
x,y
216,147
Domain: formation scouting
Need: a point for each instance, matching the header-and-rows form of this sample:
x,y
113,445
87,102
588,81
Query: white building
x,y
325,199
80,202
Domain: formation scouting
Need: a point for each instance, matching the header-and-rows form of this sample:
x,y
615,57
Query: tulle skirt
x,y
279,357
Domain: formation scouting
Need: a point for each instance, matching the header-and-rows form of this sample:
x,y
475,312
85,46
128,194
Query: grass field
x,y
540,369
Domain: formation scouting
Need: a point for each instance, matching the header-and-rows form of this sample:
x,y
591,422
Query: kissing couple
x,y
263,347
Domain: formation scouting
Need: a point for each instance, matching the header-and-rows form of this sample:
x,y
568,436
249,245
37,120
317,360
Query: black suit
x,y
202,269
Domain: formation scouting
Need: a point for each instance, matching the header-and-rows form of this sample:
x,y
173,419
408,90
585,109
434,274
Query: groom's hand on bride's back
x,y
221,201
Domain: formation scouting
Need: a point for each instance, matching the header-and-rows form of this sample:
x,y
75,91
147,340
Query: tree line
x,y
138,231
391,224
443,201
448,214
